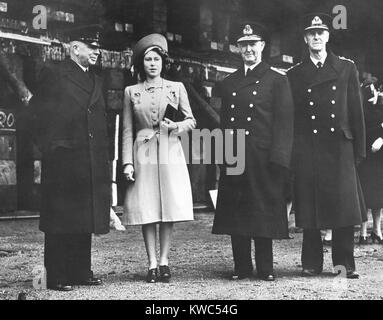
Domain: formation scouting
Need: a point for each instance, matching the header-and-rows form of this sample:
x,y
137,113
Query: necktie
x,y
319,65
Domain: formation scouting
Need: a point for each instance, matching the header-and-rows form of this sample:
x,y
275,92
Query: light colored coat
x,y
161,191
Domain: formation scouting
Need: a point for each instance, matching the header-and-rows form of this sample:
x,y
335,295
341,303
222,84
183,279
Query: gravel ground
x,y
200,262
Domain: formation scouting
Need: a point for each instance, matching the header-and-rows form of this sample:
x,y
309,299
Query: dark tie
x,y
319,65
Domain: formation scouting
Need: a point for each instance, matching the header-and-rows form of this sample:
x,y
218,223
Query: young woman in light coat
x,y
159,192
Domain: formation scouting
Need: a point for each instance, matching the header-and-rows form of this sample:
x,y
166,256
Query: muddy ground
x,y
201,264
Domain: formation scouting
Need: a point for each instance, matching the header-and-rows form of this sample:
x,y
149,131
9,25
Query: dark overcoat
x,y
371,169
253,203
71,131
329,139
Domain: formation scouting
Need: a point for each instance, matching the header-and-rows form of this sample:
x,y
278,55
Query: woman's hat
x,y
149,42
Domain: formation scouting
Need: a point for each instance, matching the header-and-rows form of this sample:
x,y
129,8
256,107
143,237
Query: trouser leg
x,y
264,256
343,248
312,250
56,258
80,257
241,246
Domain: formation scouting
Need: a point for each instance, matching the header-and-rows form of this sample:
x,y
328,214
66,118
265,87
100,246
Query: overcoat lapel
x,y
96,90
74,74
329,72
241,81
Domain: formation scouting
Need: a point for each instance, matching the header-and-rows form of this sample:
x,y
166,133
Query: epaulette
x,y
278,70
343,58
292,67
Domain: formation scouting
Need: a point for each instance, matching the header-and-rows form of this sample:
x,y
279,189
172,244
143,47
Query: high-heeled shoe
x,y
376,238
165,274
152,275
363,240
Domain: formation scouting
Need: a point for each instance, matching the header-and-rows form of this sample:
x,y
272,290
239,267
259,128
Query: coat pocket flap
x,y
347,133
64,143
263,144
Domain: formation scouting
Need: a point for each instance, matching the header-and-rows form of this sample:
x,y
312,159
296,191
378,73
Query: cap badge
x,y
247,30
316,21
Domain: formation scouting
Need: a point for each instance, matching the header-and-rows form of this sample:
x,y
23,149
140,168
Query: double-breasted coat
x,y
329,139
253,203
71,131
161,191
371,169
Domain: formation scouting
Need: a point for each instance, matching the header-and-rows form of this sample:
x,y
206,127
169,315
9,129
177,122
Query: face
x,y
86,54
316,39
251,51
152,64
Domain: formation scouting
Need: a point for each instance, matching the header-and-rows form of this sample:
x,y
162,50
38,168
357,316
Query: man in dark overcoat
x,y
71,132
252,205
329,140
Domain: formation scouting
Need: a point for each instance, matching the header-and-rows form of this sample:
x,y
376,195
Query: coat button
x,y
232,106
234,94
313,117
334,87
247,132
332,129
315,131
248,118
311,103
332,115
308,90
254,93
333,101
251,105
232,119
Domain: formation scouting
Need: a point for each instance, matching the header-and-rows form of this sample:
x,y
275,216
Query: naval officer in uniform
x,y
252,205
329,140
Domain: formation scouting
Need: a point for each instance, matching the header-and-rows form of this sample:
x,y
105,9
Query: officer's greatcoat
x,y
70,127
253,203
329,138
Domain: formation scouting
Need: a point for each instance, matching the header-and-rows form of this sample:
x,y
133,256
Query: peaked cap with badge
x,y
88,34
314,21
251,31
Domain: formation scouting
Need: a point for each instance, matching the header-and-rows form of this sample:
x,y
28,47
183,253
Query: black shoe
x,y
152,276
309,273
352,275
267,277
164,274
91,281
363,240
376,238
240,275
327,242
60,287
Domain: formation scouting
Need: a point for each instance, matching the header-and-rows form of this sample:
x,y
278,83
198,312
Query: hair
x,y
139,71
